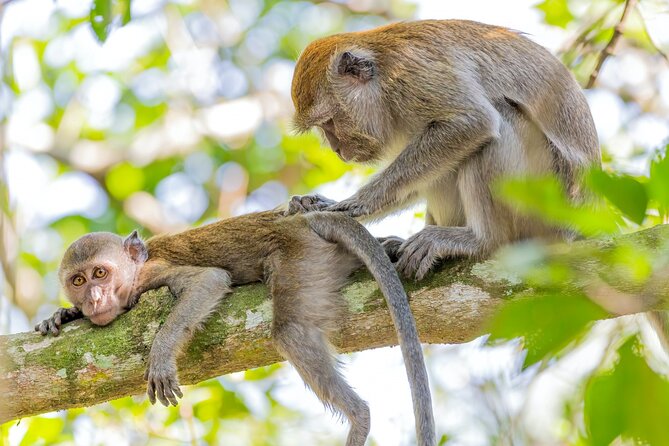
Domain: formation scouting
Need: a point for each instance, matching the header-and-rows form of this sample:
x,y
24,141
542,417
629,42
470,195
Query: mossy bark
x,y
86,365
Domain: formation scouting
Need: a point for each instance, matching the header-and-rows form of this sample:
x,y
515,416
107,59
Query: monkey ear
x,y
357,66
135,247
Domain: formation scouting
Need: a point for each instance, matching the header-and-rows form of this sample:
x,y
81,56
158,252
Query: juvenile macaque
x,y
304,259
453,105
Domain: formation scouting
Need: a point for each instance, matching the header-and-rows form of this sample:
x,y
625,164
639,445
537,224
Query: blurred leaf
x,y
547,323
123,180
125,11
101,19
260,373
556,12
658,186
42,430
631,401
623,191
545,198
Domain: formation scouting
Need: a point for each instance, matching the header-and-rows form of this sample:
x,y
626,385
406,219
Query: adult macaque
x,y
453,105
304,259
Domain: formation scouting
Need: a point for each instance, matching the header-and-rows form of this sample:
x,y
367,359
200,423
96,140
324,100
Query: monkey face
x,y
349,143
97,274
93,290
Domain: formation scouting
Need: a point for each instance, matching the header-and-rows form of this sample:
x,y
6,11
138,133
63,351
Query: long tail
x,y
355,238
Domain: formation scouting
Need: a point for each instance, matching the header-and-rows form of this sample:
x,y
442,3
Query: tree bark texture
x,y
87,365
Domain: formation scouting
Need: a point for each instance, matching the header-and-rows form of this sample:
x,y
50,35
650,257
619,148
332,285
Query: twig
x,y
611,46
582,37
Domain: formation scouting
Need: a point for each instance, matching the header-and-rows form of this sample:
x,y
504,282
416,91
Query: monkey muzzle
x,y
99,306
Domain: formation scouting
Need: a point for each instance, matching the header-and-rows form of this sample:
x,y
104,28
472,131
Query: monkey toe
x,y
413,256
392,246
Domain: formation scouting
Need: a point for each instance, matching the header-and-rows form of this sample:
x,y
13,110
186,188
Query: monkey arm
x,y
60,317
198,290
440,148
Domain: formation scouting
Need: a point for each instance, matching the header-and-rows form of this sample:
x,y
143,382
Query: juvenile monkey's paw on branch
x,y
301,204
61,316
162,383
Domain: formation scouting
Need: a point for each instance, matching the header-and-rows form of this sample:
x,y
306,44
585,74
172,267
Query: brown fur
x,y
305,260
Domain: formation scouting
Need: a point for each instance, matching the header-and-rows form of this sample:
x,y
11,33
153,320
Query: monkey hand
x,y
301,204
419,253
353,207
60,317
162,382
391,245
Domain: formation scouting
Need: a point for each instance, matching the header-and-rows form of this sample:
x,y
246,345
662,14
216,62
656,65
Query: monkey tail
x,y
347,232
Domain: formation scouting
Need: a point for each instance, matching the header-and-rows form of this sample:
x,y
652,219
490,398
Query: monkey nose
x,y
96,294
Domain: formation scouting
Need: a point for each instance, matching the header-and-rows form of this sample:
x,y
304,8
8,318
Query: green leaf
x,y
658,186
623,191
556,12
545,197
126,15
123,180
547,323
101,18
42,430
631,402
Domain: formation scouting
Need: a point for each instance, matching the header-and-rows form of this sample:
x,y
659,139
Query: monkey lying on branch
x,y
305,261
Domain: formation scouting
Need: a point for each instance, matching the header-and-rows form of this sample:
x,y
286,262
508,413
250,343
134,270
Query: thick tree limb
x,y
86,365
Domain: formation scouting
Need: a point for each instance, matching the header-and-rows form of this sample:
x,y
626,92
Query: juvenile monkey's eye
x,y
78,280
100,273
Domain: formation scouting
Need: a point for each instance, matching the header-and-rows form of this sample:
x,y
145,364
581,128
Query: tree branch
x,y
87,365
611,46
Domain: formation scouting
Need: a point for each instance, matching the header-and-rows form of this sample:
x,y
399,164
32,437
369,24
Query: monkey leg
x,y
198,290
307,307
307,349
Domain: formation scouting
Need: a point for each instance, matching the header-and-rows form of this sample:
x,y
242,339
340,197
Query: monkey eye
x,y
100,273
78,280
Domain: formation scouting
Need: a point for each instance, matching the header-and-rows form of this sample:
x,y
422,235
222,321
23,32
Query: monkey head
x,y
98,273
337,88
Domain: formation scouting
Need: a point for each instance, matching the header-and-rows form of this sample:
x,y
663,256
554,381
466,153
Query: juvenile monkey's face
x,y
97,275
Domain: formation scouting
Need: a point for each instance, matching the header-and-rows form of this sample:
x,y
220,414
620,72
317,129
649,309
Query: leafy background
x,y
165,114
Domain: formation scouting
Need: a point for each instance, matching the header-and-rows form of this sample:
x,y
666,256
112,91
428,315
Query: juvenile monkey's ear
x,y
358,66
135,247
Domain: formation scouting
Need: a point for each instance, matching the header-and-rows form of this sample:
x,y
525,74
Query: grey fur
x,y
467,104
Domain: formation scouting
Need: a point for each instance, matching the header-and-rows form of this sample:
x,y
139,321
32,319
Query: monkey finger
x,y
426,265
151,392
169,394
57,318
44,327
177,390
160,393
410,260
53,327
